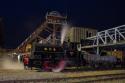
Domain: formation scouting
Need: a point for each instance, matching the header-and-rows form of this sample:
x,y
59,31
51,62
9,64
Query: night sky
x,y
21,17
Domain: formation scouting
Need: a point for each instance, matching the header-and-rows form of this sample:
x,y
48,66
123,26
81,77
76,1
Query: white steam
x,y
64,31
60,66
8,63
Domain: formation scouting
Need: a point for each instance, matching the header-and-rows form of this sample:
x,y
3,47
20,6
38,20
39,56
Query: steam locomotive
x,y
53,58
45,57
56,58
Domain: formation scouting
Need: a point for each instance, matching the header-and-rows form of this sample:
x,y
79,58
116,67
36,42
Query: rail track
x,y
82,79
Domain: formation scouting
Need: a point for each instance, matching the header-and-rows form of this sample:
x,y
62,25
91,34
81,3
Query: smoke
x,y
64,31
60,66
8,63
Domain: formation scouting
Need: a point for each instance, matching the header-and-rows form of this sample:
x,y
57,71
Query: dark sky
x,y
21,17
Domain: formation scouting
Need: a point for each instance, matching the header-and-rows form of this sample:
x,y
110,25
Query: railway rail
x,y
82,79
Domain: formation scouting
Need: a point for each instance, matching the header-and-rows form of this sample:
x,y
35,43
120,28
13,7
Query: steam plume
x,y
64,31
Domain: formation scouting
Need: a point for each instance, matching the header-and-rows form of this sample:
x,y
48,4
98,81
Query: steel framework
x,y
109,37
46,32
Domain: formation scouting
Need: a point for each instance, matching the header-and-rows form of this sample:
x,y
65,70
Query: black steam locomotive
x,y
48,57
45,56
56,58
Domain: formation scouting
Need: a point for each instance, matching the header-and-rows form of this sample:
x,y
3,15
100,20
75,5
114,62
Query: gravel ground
x,y
34,74
26,74
112,81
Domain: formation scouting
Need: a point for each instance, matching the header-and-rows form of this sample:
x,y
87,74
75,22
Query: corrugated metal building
x,y
75,34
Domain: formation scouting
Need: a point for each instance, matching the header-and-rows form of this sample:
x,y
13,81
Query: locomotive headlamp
x,y
50,49
45,49
54,49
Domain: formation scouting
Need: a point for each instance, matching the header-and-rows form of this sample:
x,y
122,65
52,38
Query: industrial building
x,y
76,34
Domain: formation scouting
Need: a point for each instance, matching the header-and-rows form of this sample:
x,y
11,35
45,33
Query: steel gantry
x,y
109,37
47,32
